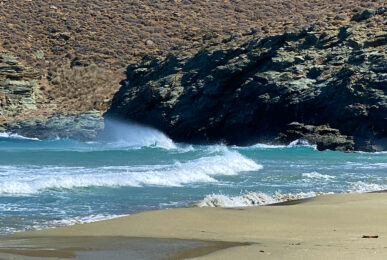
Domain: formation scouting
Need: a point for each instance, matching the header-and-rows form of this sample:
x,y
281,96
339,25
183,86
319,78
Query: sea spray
x,y
134,135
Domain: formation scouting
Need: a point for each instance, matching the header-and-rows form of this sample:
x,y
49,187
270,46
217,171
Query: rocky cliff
x,y
19,87
81,48
20,100
325,78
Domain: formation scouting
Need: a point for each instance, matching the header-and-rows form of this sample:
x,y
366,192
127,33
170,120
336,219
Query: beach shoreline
x,y
329,226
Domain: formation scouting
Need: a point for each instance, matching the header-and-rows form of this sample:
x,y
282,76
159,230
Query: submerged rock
x,y
81,127
252,93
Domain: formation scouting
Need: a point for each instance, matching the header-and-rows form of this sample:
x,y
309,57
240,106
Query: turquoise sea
x,y
48,183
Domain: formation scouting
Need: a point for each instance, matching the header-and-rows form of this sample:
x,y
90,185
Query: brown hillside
x,y
80,48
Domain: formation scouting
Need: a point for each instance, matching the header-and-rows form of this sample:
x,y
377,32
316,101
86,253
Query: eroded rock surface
x,y
19,87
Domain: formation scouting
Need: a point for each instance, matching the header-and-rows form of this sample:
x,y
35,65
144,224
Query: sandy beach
x,y
340,226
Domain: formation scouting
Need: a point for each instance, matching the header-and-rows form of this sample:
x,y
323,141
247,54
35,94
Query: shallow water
x,y
63,182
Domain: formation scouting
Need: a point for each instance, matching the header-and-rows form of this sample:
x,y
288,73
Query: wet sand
x,y
102,248
328,227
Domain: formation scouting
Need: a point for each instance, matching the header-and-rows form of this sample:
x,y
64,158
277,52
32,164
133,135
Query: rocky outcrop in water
x,y
322,136
250,94
81,127
19,87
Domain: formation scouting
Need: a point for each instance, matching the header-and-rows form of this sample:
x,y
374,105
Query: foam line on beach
x,y
252,199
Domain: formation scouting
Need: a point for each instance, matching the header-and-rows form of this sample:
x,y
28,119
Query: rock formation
x,y
322,136
62,39
252,93
19,92
81,127
18,87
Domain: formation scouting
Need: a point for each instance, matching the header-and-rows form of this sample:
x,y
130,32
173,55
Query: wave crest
x,y
17,180
316,175
6,135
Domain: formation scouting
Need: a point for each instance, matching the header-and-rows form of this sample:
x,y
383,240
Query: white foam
x,y
298,142
251,199
69,221
301,142
351,165
268,146
29,180
16,136
360,187
381,152
66,221
316,175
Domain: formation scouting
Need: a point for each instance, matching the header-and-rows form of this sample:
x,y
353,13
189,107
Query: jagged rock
x,y
251,93
82,127
322,136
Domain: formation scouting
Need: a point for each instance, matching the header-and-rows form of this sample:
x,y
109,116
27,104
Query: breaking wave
x,y
6,135
29,180
252,199
360,187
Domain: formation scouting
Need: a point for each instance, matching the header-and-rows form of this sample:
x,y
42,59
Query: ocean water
x,y
49,183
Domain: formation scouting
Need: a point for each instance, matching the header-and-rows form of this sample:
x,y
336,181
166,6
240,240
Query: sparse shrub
x,y
84,88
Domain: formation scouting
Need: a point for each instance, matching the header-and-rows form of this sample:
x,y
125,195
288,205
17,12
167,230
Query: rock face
x,y
19,91
253,92
81,127
18,87
58,38
323,137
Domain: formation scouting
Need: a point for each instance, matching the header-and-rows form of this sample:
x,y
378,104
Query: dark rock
x,y
78,62
322,136
251,93
366,14
381,10
81,127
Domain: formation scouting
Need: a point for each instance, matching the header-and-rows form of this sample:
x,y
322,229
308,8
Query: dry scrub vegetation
x,y
81,47
82,87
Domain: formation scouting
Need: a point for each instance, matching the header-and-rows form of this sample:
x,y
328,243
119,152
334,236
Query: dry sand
x,y
328,227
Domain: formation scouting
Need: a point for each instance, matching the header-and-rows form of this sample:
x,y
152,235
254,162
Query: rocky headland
x,y
80,48
326,85
210,71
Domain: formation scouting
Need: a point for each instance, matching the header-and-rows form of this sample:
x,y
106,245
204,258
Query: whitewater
x,y
49,183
